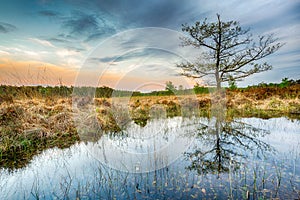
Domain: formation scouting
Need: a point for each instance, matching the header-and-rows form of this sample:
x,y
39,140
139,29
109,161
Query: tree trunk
x,y
218,145
218,81
218,49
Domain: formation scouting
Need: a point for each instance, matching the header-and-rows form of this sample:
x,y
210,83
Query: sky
x,y
130,44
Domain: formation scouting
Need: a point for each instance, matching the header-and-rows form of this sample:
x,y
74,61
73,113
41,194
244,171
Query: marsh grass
x,y
29,126
30,123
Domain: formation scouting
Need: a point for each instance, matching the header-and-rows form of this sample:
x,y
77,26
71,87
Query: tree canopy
x,y
231,51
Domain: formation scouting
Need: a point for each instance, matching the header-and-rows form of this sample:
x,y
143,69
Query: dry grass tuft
x,y
30,125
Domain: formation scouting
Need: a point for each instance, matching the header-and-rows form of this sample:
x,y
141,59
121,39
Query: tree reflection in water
x,y
224,144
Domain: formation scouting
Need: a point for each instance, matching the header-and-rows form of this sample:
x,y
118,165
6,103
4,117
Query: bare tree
x,y
232,53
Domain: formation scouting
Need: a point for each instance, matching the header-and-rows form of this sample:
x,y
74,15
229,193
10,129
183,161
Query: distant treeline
x,y
106,92
285,82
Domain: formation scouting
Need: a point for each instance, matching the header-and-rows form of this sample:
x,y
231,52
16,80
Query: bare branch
x,y
232,50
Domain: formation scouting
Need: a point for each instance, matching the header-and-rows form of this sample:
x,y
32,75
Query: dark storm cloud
x,y
104,31
61,39
145,13
141,53
155,68
120,58
159,13
77,49
66,41
49,13
98,19
58,40
84,26
5,27
81,23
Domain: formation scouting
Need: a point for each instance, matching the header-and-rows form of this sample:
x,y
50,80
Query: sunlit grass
x,y
31,122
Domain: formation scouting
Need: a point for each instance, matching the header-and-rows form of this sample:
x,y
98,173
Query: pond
x,y
172,158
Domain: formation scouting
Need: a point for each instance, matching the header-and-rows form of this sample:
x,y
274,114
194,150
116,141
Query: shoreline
x,y
30,125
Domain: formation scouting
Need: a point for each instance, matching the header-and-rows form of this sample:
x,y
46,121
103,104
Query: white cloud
x,y
66,53
19,52
30,53
4,53
251,12
42,42
69,58
290,35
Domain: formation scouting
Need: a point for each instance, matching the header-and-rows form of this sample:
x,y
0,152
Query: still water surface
x,y
190,159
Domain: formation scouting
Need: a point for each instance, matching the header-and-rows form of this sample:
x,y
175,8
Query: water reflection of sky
x,y
57,172
285,134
